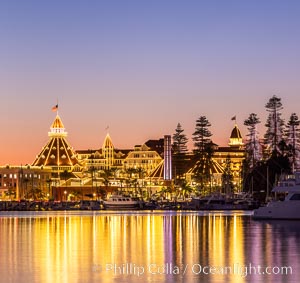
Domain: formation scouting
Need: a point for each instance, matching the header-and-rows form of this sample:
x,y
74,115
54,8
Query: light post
x,y
65,192
49,183
180,190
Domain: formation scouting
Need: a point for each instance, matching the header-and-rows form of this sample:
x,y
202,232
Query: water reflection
x,y
160,247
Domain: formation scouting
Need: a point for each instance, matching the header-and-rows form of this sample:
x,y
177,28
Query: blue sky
x,y
141,67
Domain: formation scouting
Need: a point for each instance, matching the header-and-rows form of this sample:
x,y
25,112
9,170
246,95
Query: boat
x,y
88,205
286,204
220,201
122,202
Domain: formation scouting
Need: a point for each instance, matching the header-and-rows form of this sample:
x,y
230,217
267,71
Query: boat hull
x,y
200,204
121,206
279,210
122,203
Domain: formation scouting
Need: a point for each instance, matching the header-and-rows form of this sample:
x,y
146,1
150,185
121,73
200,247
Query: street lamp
x,y
65,192
49,184
180,191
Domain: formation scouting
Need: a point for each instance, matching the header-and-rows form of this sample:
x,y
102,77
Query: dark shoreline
x,y
94,205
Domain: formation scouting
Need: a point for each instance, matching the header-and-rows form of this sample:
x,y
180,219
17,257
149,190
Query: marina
x,y
119,202
150,141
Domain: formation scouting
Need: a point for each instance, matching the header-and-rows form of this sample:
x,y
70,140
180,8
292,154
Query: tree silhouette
x,y
293,140
253,147
179,153
203,151
274,124
227,177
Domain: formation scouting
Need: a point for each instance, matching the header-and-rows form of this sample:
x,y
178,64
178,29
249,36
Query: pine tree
x,y
293,140
274,124
202,136
227,177
203,151
179,140
253,146
179,152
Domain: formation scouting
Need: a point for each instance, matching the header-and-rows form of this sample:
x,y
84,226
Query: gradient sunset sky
x,y
140,67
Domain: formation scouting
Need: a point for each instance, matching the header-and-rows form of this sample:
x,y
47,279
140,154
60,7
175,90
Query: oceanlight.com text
x,y
243,270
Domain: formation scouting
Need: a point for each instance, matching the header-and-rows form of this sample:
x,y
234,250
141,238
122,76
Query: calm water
x,y
144,247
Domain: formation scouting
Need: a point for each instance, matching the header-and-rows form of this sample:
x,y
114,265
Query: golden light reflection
x,y
104,248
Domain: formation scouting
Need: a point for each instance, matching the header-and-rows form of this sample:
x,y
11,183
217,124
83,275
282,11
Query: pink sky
x,y
26,131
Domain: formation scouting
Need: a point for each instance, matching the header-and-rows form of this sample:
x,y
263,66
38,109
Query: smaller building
x,y
235,152
106,157
156,145
20,182
142,157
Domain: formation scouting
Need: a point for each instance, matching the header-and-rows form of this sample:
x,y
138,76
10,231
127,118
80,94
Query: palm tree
x,y
66,175
131,176
164,191
75,194
141,174
186,189
26,180
106,174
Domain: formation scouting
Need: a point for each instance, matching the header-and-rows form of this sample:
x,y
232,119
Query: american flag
x,y
55,108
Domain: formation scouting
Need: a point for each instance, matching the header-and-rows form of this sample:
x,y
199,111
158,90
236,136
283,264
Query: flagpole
x,y
234,119
57,106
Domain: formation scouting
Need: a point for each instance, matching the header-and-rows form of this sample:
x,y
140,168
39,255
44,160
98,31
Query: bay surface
x,y
147,247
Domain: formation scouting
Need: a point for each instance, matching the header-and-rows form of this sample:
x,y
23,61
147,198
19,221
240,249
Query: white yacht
x,y
287,208
121,202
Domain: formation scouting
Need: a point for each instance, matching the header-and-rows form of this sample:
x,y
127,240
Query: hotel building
x,y
60,167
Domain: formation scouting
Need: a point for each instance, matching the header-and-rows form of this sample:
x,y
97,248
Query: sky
x,y
140,67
